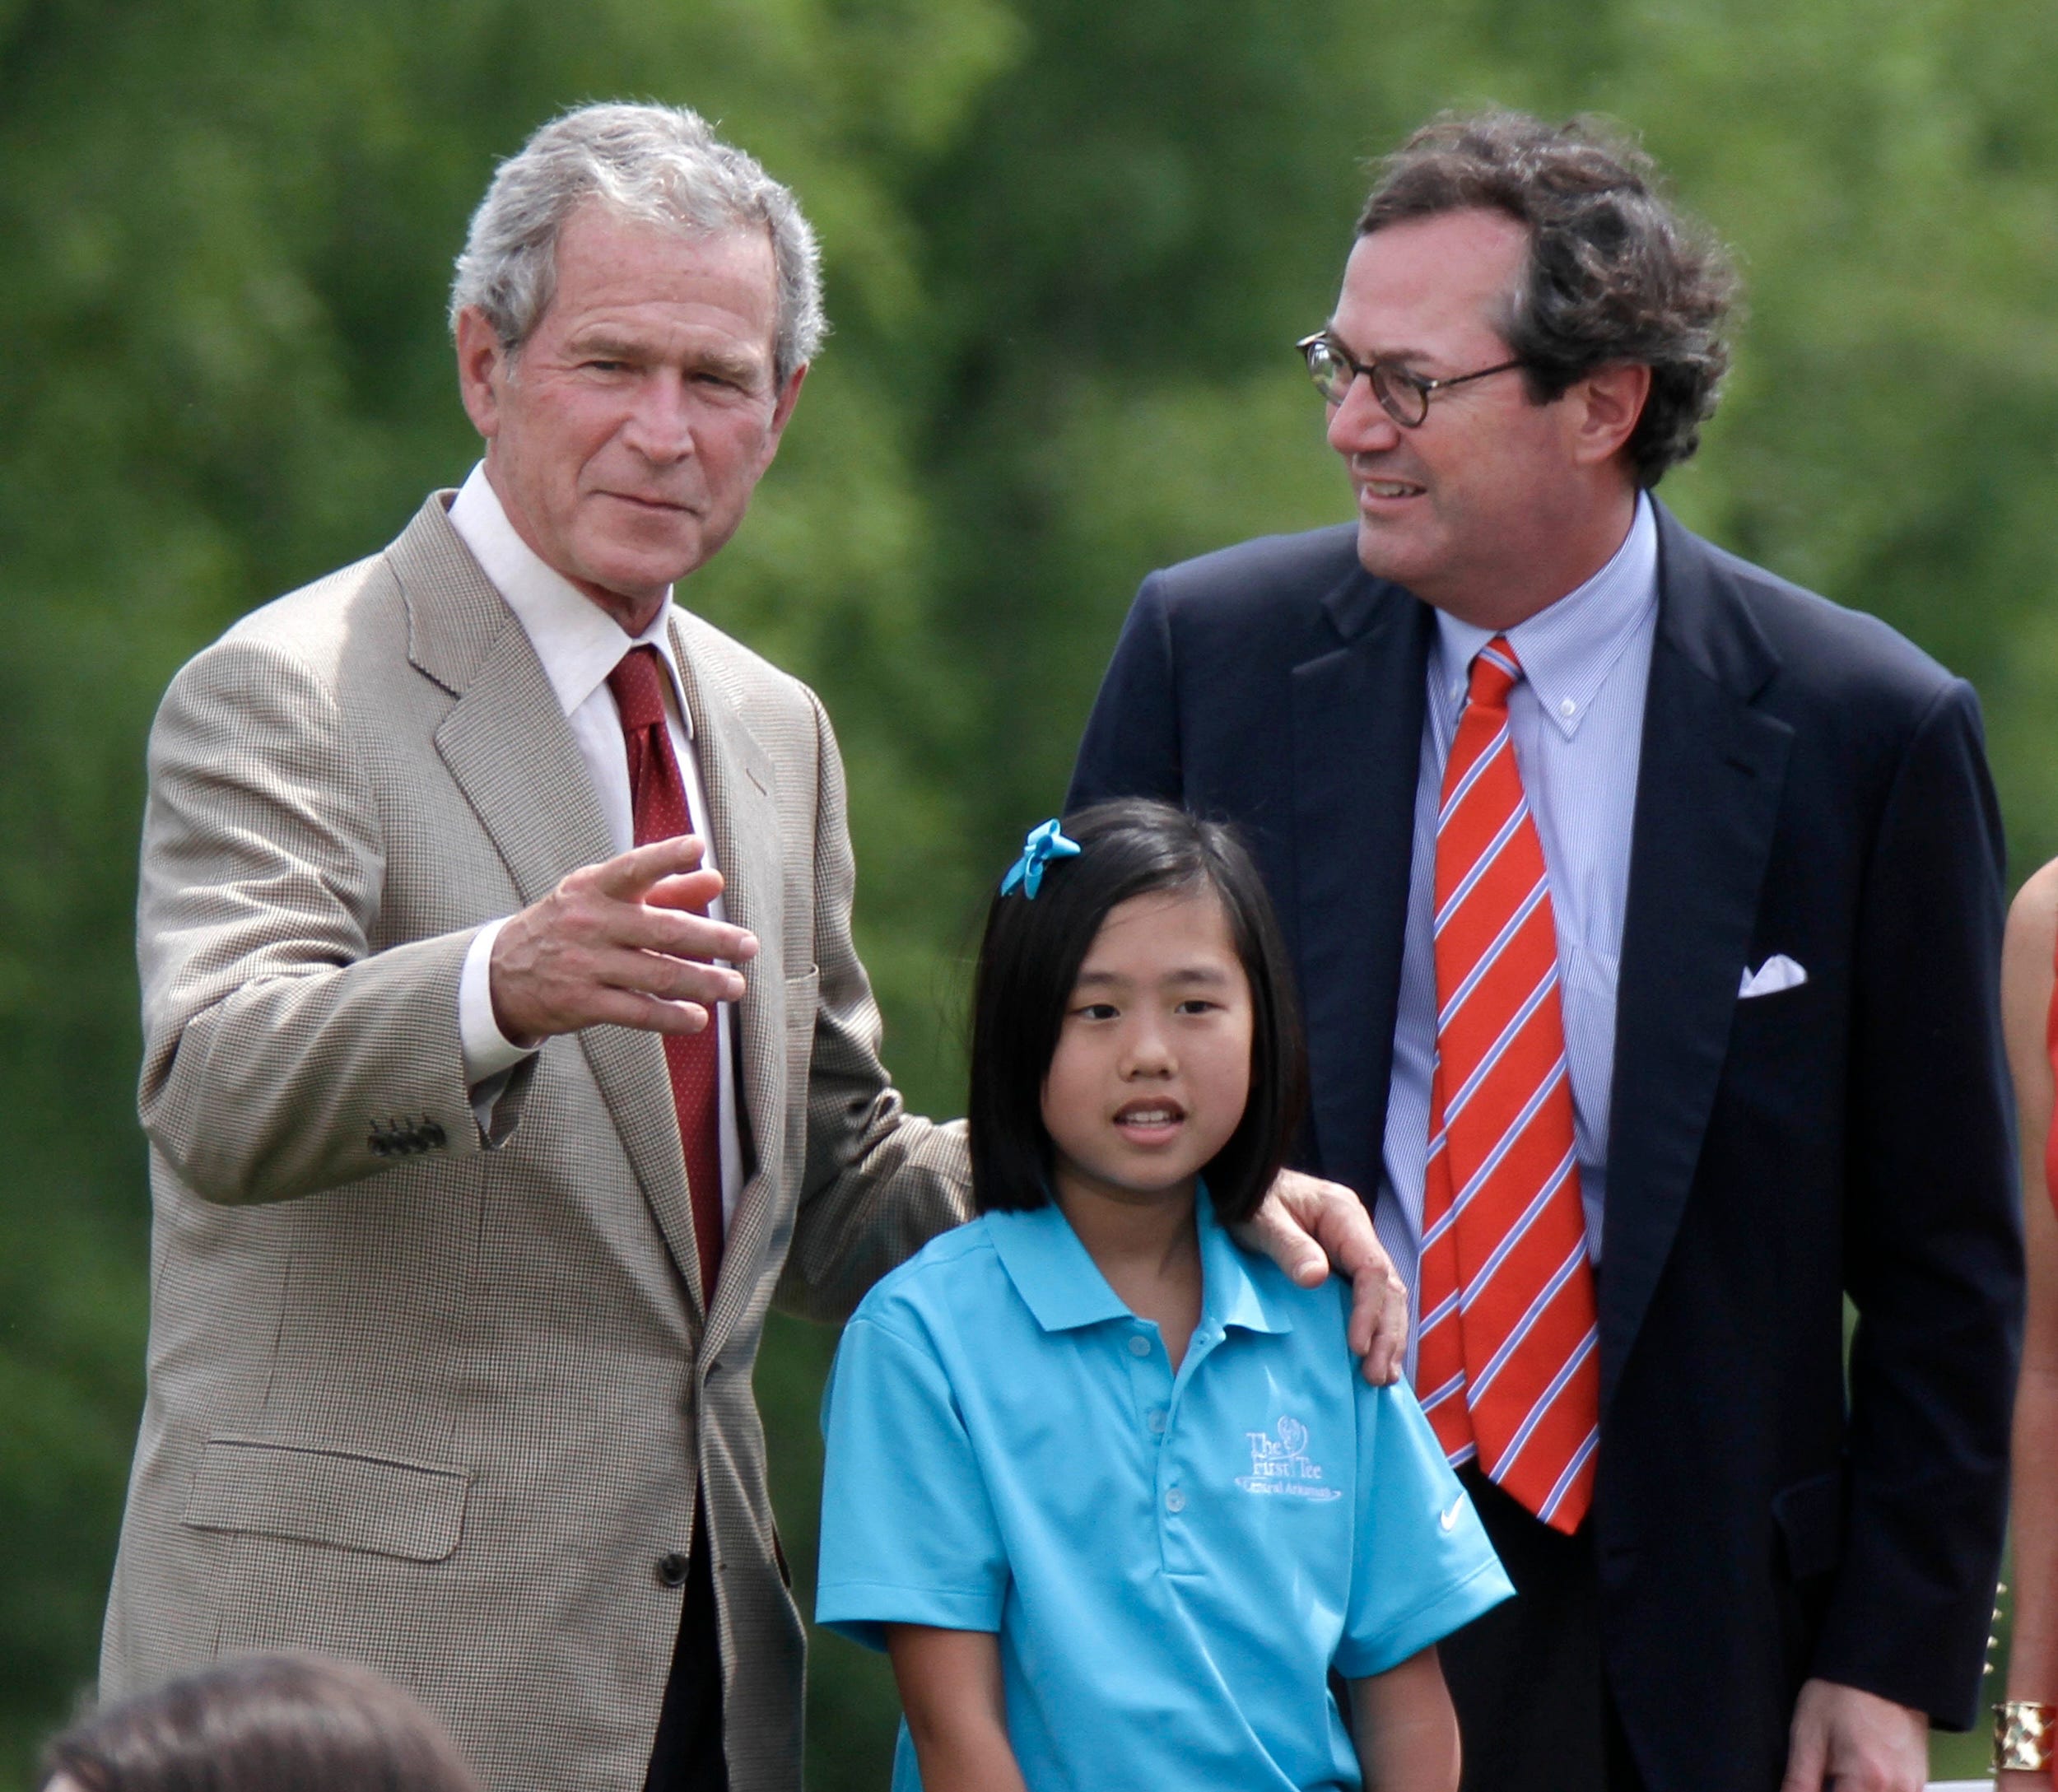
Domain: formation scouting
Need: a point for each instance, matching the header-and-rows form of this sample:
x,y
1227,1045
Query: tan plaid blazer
x,y
442,1410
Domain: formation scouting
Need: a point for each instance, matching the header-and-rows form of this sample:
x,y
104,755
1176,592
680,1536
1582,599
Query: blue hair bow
x,y
1043,845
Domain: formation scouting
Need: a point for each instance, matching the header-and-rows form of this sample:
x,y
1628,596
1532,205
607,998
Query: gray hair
x,y
656,165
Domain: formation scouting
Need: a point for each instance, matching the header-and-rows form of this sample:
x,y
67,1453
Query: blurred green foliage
x,y
1068,243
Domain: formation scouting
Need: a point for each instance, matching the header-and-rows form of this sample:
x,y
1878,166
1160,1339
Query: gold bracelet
x,y
2024,1731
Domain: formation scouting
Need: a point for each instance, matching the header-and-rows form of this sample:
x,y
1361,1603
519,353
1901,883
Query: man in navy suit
x,y
1772,863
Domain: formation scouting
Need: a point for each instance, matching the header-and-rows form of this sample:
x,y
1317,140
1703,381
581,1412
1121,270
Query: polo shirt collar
x,y
577,641
1568,648
1063,1286
1230,1294
1058,1282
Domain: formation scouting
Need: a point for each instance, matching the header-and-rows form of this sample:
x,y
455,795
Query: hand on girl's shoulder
x,y
1328,1301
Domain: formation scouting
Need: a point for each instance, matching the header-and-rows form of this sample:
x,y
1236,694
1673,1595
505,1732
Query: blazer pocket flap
x,y
1810,1516
385,1508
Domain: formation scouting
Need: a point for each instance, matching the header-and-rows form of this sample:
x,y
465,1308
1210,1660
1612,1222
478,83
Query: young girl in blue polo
x,y
1108,1487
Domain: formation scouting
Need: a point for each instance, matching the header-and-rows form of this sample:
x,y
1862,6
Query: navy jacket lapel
x,y
1357,716
1707,800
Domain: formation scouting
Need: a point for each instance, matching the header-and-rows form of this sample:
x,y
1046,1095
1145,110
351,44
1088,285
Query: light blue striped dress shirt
x,y
1577,719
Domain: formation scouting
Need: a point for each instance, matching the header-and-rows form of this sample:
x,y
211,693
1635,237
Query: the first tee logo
x,y
1280,1464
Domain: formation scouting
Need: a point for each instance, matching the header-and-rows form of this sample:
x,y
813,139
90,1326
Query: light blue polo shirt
x,y
1174,1563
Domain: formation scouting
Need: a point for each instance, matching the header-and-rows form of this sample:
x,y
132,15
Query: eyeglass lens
x,y
1405,403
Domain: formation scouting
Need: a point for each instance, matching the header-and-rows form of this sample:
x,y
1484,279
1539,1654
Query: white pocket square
x,y
1778,972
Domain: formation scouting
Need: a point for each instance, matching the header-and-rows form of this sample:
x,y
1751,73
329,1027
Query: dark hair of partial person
x,y
263,1724
1615,273
1030,960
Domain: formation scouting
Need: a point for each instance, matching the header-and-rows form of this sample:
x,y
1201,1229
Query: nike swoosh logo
x,y
1448,1518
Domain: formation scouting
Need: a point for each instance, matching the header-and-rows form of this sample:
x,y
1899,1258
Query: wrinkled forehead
x,y
631,271
598,233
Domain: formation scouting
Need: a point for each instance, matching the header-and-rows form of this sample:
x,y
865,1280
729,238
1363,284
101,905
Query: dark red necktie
x,y
658,795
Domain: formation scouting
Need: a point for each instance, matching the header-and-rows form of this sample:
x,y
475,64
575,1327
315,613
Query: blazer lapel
x,y
505,740
1707,800
738,777
508,746
1357,717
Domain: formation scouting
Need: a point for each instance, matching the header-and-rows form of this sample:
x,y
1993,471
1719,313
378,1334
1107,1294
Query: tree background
x,y
1068,244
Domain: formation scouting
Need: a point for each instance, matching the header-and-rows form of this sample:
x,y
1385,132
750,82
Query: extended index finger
x,y
629,876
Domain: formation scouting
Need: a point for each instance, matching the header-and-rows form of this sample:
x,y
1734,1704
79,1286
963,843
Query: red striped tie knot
x,y
1495,672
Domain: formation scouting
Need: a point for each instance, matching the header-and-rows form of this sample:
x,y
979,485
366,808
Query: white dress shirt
x,y
1576,717
579,644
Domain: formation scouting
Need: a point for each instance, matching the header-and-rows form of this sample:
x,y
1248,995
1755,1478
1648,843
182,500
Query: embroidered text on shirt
x,y
1282,1466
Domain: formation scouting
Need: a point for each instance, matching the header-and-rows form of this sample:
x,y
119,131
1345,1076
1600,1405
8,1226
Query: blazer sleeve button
x,y
672,1569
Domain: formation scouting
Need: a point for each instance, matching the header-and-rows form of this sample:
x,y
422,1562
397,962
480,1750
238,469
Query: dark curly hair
x,y
1615,273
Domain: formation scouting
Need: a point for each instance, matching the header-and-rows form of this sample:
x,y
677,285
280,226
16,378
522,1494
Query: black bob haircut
x,y
1030,960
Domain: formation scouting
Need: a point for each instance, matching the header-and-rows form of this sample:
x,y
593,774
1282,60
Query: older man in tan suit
x,y
506,1048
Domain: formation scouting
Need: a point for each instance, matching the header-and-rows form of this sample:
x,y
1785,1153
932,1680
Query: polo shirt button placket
x,y
1151,1387
1175,1544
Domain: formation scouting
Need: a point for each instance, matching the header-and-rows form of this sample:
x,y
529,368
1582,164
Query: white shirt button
x,y
1156,1421
1139,1346
1176,1501
1567,707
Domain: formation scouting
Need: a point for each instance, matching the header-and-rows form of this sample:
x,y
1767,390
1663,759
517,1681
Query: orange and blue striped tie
x,y
1508,1364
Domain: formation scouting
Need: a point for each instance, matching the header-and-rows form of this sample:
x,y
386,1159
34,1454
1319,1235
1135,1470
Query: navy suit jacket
x,y
1810,784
